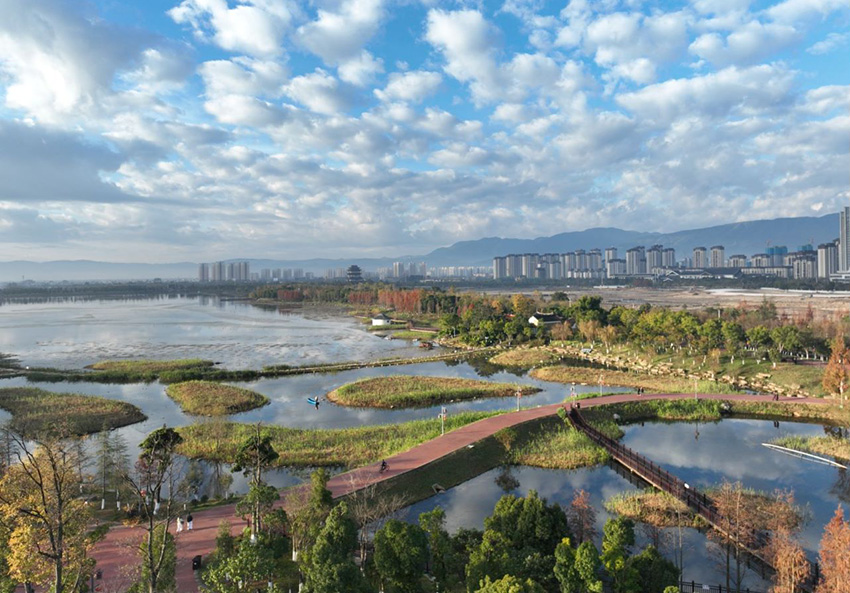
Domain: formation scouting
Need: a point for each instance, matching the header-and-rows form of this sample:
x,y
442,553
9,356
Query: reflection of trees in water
x,y
841,488
485,368
506,480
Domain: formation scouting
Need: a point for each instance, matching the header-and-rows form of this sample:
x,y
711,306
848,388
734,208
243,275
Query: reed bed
x,y
347,447
207,398
406,391
37,412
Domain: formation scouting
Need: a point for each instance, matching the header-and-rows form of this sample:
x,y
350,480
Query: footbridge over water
x,y
699,502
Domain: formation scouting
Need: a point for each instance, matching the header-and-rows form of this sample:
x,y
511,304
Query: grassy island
x,y
206,398
405,391
653,507
348,447
35,411
557,446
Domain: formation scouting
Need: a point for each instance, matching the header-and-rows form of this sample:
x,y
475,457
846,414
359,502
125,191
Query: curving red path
x,y
116,554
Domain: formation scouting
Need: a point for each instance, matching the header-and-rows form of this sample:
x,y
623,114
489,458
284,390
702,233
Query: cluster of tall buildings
x,y
828,261
224,272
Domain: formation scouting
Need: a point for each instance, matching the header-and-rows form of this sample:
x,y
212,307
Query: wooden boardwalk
x,y
116,554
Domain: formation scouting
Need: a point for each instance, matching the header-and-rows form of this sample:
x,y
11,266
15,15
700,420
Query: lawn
x,y
405,391
37,412
206,398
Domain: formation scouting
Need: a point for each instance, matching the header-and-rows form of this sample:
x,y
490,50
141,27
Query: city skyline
x,y
155,131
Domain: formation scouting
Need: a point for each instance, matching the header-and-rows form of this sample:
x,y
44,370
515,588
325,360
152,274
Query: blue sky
x,y
203,129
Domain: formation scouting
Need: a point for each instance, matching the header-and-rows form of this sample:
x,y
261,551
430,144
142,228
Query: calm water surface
x,y
76,333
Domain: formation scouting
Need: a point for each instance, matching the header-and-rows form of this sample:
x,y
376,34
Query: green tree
x,y
155,473
785,338
254,456
617,540
250,567
565,568
328,566
308,513
160,544
509,584
440,557
588,565
401,551
519,539
733,337
655,572
759,337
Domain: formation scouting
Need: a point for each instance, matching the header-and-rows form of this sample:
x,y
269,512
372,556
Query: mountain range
x,y
742,237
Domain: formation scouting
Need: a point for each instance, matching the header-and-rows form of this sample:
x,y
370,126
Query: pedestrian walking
x,y
179,524
189,522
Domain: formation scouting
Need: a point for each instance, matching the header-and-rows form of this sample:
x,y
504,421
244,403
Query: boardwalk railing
x,y
692,587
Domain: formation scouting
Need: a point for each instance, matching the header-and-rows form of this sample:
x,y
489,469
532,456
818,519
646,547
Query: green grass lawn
x,y
403,391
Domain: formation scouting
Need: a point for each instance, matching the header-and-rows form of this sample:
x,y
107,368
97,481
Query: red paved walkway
x,y
115,555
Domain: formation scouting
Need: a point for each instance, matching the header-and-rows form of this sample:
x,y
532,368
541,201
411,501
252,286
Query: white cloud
x,y
410,86
243,76
728,92
793,11
466,40
338,36
56,62
361,70
747,44
320,92
256,27
832,42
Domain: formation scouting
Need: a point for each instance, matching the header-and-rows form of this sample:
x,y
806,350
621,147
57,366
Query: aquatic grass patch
x,y
555,445
834,446
150,366
348,447
652,507
412,334
415,391
207,398
37,411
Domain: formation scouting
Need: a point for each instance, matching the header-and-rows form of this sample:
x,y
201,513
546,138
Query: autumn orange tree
x,y
835,555
790,562
837,372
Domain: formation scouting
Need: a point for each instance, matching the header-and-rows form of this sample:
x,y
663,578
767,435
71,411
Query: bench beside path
x,y
116,554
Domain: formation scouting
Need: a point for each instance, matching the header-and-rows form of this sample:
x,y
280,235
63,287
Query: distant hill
x,y
742,237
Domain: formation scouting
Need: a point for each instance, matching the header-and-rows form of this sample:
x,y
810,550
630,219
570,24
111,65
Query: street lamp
x,y
518,395
443,420
695,389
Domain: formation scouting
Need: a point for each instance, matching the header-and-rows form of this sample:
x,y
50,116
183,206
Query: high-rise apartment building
x,y
718,257
668,257
610,253
738,261
844,241
700,257
654,258
203,273
636,261
828,259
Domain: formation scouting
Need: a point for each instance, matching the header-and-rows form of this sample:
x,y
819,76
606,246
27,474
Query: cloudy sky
x,y
170,130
